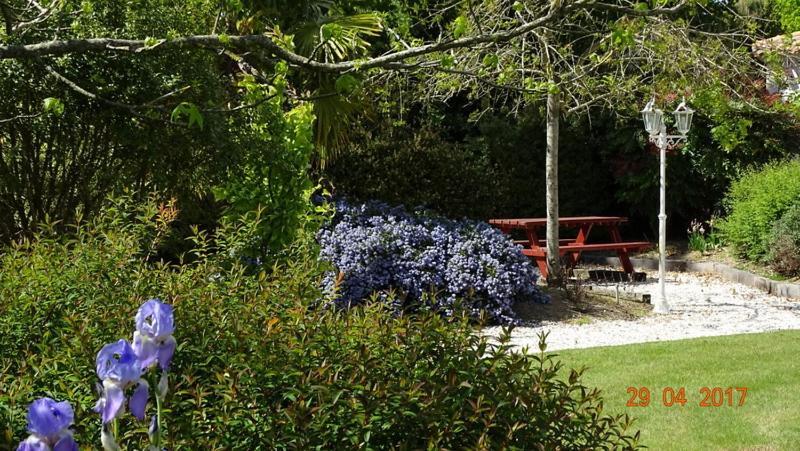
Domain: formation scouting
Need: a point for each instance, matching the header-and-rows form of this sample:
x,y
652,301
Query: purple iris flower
x,y
48,423
119,369
33,443
153,341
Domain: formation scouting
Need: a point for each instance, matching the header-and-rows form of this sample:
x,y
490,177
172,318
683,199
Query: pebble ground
x,y
701,306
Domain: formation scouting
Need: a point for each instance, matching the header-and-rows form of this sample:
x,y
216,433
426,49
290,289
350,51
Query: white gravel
x,y
701,306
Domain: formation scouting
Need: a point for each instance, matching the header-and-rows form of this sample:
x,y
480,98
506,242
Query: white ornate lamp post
x,y
657,129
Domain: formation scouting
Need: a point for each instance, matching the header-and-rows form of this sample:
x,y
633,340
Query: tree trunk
x,y
554,276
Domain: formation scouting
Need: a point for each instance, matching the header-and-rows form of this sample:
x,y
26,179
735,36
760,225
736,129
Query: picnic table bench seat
x,y
629,245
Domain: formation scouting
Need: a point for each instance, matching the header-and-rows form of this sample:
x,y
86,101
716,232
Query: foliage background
x,y
436,157
447,145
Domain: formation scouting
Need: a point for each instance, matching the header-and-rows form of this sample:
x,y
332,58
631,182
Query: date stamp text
x,y
676,396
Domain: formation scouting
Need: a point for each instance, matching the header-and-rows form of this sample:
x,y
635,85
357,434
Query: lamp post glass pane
x,y
683,120
652,120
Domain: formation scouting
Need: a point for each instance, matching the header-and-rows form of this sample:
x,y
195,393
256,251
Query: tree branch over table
x,y
265,42
151,105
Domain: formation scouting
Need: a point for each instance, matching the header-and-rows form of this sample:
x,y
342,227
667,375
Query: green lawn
x,y
768,364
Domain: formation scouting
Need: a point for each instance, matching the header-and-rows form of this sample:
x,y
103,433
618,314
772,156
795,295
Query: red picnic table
x,y
572,247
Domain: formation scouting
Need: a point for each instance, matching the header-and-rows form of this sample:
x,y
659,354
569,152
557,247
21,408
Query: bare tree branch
x,y
91,45
169,94
21,116
671,11
587,104
13,22
75,87
265,42
485,80
137,109
36,5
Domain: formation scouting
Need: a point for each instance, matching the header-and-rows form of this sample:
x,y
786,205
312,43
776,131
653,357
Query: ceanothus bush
x,y
427,260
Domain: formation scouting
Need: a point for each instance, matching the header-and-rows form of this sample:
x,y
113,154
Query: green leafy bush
x,y
258,366
273,176
755,202
423,170
787,12
784,249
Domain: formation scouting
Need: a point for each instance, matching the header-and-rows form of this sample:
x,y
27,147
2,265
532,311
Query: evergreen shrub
x,y
257,368
754,202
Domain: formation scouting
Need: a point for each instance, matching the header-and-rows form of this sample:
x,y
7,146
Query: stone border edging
x,y
774,287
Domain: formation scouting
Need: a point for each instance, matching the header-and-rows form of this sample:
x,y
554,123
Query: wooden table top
x,y
566,221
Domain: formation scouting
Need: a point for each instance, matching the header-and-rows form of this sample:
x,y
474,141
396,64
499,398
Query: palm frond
x,y
334,120
335,38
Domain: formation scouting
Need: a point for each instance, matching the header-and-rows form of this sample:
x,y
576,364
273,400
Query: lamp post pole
x,y
655,126
661,141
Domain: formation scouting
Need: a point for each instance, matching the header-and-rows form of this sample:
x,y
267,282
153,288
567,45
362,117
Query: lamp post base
x,y
661,306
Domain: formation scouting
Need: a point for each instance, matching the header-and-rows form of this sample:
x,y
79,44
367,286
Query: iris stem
x,y
158,419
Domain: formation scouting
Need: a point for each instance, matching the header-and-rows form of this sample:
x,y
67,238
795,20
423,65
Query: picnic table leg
x,y
623,252
533,244
541,262
583,235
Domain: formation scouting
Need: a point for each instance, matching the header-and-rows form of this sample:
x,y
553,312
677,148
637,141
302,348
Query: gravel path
x,y
701,306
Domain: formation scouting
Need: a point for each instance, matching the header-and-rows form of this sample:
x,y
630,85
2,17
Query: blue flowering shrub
x,y
428,260
254,366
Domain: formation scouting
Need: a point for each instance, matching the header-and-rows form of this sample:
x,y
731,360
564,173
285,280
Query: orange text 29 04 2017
x,y
676,396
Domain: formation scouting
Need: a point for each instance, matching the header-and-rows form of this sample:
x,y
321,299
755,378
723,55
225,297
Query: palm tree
x,y
326,32
335,37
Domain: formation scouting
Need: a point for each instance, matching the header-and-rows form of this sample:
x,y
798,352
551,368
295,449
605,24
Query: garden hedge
x,y
257,368
784,249
754,202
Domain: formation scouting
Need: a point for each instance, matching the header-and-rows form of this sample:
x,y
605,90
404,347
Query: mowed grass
x,y
768,364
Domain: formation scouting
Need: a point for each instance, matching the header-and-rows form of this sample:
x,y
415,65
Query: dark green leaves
x,y
347,84
491,61
188,113
53,106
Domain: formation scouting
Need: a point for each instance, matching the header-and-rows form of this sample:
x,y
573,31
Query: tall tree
x,y
611,57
